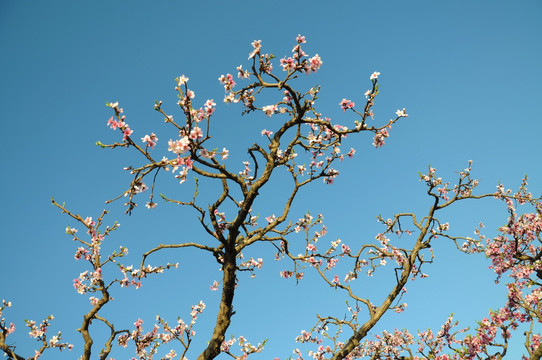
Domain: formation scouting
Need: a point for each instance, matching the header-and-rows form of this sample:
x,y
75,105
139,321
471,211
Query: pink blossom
x,y
204,153
444,227
401,113
225,153
80,253
209,107
256,44
226,345
214,286
243,74
401,308
182,80
330,176
298,52
71,231
227,81
115,106
379,137
79,286
269,109
179,146
126,132
93,300
346,104
315,63
286,274
374,75
331,263
196,133
150,140
287,64
138,323
266,133
139,188
112,123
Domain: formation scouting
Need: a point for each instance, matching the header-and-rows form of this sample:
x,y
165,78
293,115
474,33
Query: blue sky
x,y
468,74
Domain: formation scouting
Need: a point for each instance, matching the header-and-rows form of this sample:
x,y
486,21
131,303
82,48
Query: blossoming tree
x,y
307,146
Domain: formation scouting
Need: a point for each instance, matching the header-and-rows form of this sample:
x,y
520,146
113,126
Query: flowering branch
x,y
308,146
38,332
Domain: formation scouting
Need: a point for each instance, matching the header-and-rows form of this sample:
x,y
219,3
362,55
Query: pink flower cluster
x,y
209,107
119,122
150,140
3,328
380,136
147,344
227,81
257,45
251,264
246,348
347,104
269,110
39,332
296,61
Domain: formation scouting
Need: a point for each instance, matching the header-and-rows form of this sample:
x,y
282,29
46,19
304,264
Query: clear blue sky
x,y
468,72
